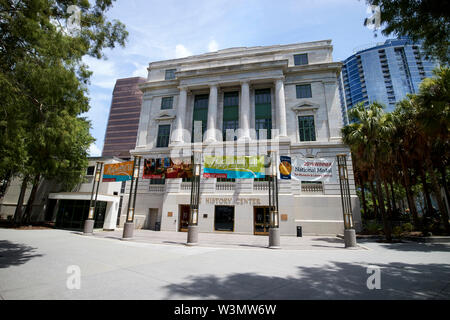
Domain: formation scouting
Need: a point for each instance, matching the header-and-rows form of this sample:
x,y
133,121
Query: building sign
x,y
307,169
167,168
118,171
231,201
234,167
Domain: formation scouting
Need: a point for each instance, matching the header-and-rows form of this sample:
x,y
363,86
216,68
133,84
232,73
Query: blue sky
x,y
168,29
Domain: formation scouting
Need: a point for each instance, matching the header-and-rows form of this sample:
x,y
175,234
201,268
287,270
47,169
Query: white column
x,y
244,112
212,113
181,114
281,107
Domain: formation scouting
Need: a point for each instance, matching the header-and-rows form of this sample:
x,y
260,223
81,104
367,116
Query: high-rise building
x,y
385,72
123,121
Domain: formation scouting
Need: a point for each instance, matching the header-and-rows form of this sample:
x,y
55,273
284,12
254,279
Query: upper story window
x,y
90,170
157,181
230,113
200,112
170,74
163,136
300,59
166,103
307,129
304,91
263,112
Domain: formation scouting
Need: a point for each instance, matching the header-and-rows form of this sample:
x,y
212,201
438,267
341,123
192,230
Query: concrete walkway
x,y
228,240
40,264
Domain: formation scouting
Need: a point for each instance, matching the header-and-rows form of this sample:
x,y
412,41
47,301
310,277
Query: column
x,y
212,113
181,114
244,112
281,107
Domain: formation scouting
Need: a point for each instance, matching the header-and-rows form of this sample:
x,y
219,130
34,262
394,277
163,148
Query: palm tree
x,y
368,136
433,117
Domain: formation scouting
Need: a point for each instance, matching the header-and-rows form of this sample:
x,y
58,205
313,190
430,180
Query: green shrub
x,y
407,227
397,231
373,227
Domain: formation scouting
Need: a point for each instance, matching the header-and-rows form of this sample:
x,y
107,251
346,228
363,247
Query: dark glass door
x,y
262,220
185,212
224,218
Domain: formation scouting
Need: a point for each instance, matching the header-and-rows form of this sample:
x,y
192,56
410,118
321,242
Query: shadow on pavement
x,y
336,280
13,254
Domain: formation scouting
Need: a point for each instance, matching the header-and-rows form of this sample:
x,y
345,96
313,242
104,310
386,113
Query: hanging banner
x,y
167,168
307,169
234,167
118,171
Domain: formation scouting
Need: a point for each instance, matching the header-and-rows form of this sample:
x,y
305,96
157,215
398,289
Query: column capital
x,y
244,82
183,88
282,78
213,84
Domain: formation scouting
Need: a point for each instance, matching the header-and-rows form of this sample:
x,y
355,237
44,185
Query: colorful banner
x,y
307,169
118,171
234,167
167,168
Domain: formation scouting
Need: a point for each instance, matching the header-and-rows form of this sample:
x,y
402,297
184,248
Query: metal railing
x,y
223,186
157,188
312,188
260,185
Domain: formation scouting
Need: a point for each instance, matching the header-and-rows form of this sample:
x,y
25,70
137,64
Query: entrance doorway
x,y
224,218
185,212
150,222
261,220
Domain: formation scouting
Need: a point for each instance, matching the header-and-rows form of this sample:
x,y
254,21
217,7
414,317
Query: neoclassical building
x,y
284,97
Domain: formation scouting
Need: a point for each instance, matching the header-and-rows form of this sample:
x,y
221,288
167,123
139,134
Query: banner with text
x,y
118,171
307,169
234,167
167,168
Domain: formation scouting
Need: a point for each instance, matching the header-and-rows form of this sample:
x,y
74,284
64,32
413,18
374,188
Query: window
x,y
90,170
163,136
301,59
200,112
166,103
157,181
306,128
230,113
170,74
304,91
226,180
263,112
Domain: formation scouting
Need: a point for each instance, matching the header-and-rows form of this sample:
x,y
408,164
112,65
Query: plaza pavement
x,y
157,265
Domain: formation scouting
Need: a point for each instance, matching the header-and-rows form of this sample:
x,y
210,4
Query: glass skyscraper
x,y
384,73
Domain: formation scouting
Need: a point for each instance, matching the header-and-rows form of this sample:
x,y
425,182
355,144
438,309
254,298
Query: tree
x,y
420,20
44,86
368,133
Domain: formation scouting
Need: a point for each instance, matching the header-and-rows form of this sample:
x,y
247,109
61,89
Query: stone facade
x,y
244,70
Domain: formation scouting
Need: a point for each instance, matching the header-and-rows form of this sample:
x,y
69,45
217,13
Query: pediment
x,y
164,116
306,106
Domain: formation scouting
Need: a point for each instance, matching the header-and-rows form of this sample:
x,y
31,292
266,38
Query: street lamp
x,y
89,222
274,230
192,236
128,227
349,231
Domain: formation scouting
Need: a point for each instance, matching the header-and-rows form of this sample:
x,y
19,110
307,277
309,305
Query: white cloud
x,y
94,151
181,51
140,71
213,46
100,67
